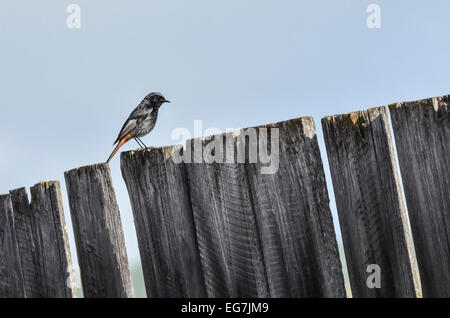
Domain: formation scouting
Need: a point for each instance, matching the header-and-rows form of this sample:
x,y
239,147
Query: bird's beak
x,y
166,101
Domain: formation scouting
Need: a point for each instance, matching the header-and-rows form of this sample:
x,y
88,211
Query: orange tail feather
x,y
120,144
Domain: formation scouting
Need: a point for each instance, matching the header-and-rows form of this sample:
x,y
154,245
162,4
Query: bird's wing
x,y
131,123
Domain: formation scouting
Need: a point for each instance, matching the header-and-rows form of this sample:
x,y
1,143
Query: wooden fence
x,y
212,228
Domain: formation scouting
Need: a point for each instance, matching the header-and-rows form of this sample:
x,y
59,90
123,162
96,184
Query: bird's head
x,y
156,99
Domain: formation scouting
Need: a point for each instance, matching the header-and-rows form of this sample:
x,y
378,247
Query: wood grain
x,y
368,197
11,280
164,222
98,232
265,235
228,238
294,219
422,136
42,241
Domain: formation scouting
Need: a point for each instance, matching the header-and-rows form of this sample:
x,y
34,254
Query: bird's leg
x,y
137,140
141,142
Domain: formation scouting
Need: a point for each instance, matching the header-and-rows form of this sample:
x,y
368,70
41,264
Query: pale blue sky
x,y
64,93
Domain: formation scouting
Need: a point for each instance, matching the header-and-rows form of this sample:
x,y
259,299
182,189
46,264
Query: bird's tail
x,y
120,144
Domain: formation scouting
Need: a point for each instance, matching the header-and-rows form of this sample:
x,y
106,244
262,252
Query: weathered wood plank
x,y
294,219
42,241
368,198
98,232
24,225
11,281
164,223
264,232
47,206
228,238
422,136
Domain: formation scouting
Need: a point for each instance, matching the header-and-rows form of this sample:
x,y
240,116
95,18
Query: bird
x,y
141,121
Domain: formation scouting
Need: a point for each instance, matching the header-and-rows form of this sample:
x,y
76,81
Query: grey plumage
x,y
143,118
141,121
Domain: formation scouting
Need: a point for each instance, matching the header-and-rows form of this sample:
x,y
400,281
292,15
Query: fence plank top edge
x,y
91,167
35,190
306,121
46,184
166,151
355,115
416,103
17,190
